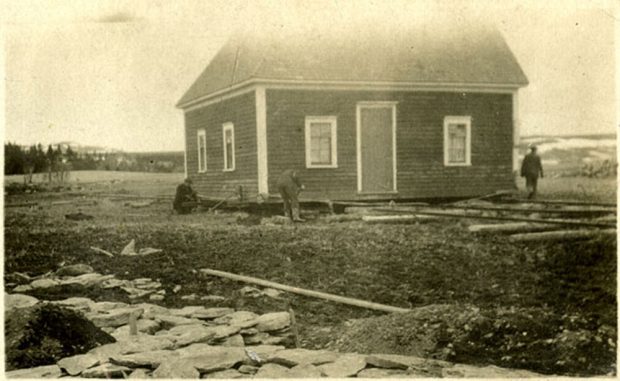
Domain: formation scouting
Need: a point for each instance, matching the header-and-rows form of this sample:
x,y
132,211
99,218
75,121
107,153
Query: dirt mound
x,y
527,338
44,333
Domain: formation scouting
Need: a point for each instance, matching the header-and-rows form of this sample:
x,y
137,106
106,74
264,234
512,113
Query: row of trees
x,y
59,160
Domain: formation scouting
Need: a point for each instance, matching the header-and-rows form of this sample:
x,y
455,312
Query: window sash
x,y
202,150
228,143
321,142
457,140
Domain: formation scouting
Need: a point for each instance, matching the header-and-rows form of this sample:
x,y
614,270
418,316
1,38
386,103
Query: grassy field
x,y
566,290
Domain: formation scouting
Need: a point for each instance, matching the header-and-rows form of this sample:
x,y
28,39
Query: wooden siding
x,y
216,183
419,140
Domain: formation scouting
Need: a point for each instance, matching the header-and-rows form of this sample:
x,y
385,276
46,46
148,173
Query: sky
x,y
109,73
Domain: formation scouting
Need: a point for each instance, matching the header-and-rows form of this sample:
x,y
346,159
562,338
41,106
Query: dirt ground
x,y
485,292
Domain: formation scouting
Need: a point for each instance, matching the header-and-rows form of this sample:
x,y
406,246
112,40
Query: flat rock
x,y
272,371
490,371
243,319
233,341
22,288
222,331
168,321
383,373
138,374
256,339
132,344
74,270
273,321
82,304
191,333
225,374
186,311
389,361
248,369
150,359
13,301
297,356
215,358
345,366
151,310
144,326
156,297
47,371
44,283
106,371
176,368
75,365
212,313
113,283
114,318
212,298
304,371
87,280
260,353
107,306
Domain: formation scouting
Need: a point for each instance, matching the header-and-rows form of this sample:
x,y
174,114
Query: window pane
x,y
457,139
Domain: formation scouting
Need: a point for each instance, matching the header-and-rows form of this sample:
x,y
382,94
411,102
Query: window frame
x,y
229,126
456,119
201,133
333,122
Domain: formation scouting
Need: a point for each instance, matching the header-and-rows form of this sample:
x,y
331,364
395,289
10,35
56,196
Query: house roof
x,y
425,54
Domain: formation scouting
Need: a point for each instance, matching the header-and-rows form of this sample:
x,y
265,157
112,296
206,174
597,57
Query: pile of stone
x,y
202,342
84,275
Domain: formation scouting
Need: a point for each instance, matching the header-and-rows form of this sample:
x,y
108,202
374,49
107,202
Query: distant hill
x,y
567,154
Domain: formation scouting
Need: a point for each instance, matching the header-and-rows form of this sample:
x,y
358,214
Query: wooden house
x,y
405,113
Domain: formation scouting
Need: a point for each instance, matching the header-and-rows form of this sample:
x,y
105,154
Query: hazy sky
x,y
109,73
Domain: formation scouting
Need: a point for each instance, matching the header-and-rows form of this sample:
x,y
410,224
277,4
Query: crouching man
x,y
186,198
289,186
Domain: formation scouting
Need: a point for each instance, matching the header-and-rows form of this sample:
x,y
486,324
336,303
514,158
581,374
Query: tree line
x,y
59,160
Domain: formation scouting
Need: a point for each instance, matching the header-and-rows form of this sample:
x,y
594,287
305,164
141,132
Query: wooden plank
x,y
305,292
561,202
400,219
513,227
481,217
561,235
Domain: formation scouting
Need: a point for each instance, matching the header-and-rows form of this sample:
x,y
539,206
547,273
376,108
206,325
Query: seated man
x,y
185,199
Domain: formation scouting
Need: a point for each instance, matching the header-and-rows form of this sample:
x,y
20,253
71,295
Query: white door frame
x,y
358,112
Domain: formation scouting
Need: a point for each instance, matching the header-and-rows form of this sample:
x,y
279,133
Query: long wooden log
x,y
400,219
512,227
481,217
561,235
530,210
561,202
21,204
305,292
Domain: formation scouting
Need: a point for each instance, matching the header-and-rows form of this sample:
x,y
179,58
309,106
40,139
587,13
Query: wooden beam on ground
x,y
400,219
497,218
561,202
561,235
305,292
512,227
530,210
21,204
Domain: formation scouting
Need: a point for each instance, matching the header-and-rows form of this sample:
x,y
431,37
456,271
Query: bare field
x,y
546,307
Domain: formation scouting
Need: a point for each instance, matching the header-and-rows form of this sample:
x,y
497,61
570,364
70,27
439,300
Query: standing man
x,y
289,186
530,169
186,198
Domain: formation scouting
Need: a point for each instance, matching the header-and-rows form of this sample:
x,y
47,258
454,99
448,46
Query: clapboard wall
x,y
215,182
419,142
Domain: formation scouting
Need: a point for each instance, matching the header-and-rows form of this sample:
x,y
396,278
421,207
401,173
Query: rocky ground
x,y
477,300
149,341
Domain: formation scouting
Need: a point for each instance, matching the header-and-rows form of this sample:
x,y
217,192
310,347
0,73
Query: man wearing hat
x,y
185,199
530,169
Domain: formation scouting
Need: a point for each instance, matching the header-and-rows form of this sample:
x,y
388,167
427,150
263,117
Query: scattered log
x,y
400,219
101,251
485,217
21,204
561,235
561,202
514,227
301,291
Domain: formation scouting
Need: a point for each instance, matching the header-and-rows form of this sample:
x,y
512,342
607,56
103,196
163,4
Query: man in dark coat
x,y
289,186
185,199
530,169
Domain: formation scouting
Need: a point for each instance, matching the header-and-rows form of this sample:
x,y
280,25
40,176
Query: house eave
x,y
301,84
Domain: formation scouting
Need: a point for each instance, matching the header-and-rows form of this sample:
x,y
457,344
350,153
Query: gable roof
x,y
419,54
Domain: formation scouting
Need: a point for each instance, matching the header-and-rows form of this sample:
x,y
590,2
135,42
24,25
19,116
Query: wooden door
x,y
376,145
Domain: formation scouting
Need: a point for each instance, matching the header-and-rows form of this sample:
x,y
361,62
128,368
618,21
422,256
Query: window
x,y
321,142
457,140
202,151
228,138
